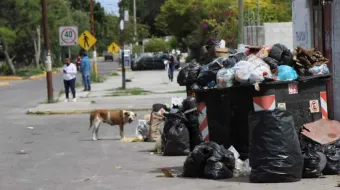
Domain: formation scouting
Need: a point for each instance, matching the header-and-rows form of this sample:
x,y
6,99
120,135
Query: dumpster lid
x,y
239,85
315,77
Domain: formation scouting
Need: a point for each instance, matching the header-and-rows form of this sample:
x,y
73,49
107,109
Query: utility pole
x,y
134,18
124,17
240,22
258,22
94,34
48,60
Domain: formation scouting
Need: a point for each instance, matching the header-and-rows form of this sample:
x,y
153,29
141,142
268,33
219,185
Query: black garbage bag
x,y
175,137
190,109
208,73
311,165
209,160
282,54
217,170
333,160
232,51
273,63
189,73
194,164
233,59
219,153
157,107
275,153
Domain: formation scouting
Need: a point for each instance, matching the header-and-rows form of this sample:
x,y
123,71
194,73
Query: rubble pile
x,y
305,59
254,66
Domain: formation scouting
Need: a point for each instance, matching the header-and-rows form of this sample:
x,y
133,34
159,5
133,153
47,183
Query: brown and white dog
x,y
111,117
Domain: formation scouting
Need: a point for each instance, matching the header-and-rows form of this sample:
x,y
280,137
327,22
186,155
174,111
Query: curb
x,y
126,69
34,77
76,111
4,83
23,78
11,78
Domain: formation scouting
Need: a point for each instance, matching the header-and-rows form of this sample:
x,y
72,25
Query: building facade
x,y
316,24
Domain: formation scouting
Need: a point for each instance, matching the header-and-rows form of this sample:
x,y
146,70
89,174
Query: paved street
x,y
56,152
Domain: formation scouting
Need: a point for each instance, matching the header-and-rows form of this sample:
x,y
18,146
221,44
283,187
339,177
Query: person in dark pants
x,y
85,68
171,67
69,75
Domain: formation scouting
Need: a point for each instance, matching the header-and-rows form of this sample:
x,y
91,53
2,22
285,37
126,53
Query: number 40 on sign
x,y
68,35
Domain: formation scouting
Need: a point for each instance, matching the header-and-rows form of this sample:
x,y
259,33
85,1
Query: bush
x,y
96,79
137,49
157,45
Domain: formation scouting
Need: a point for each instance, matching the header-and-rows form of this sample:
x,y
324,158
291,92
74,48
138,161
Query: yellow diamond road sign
x,y
113,48
86,40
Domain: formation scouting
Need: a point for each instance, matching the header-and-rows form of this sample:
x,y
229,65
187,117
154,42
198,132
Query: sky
x,y
110,6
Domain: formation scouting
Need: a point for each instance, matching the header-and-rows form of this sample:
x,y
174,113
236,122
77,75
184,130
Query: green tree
x,y
146,11
157,45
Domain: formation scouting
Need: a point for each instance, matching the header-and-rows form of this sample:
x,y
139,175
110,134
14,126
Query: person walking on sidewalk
x,y
86,72
69,75
171,67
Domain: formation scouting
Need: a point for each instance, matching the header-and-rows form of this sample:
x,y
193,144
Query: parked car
x,y
108,56
146,61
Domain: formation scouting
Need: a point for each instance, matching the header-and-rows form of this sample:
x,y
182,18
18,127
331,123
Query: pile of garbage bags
x,y
256,65
321,159
181,129
209,160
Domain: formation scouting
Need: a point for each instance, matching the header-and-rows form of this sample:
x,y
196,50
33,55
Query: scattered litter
x,y
131,139
322,131
22,152
118,167
142,130
30,128
242,168
167,172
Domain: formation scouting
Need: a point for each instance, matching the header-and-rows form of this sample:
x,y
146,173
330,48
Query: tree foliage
x,y
21,34
146,12
193,22
157,45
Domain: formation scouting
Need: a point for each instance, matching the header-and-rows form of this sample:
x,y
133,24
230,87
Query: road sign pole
x,y
122,49
48,60
69,52
123,66
95,70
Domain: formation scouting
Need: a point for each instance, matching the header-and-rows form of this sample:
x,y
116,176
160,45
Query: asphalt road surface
x,y
56,153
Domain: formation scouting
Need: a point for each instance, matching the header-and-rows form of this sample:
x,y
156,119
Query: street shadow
x,y
147,151
244,179
101,139
176,170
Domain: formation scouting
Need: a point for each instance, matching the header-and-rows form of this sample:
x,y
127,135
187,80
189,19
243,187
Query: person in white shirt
x,y
69,75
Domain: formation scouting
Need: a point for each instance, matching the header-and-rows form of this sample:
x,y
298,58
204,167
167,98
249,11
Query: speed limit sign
x,y
68,35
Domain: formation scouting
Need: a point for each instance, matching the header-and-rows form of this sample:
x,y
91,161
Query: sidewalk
x,y
102,95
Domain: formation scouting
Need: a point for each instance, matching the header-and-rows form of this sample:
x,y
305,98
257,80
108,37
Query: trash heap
x,y
254,66
175,129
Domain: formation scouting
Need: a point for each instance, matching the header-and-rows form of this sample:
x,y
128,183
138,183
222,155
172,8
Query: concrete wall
x,y
336,57
269,34
302,24
254,35
279,33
